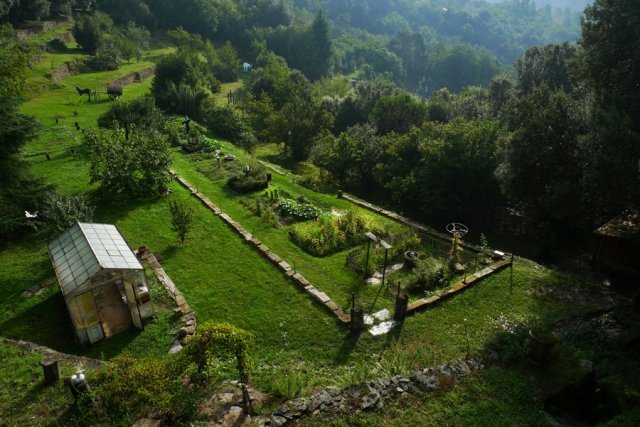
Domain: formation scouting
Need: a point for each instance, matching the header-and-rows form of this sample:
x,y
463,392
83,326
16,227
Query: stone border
x,y
272,168
184,311
133,77
374,394
458,287
61,357
271,256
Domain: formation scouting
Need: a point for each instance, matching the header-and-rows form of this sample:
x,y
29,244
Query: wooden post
x,y
366,264
402,302
357,321
50,370
511,278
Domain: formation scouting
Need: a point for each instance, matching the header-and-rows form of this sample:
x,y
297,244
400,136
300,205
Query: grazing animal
x,y
114,92
84,92
30,215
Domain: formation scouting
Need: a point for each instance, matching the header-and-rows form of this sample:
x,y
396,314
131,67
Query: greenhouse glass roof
x,y
84,249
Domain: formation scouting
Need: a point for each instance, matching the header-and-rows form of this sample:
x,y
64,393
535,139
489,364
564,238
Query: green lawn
x,y
24,399
226,280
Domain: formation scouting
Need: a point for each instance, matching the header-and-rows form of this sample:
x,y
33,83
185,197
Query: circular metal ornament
x,y
457,228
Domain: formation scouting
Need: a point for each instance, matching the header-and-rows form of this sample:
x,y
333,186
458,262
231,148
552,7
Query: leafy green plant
x,y
61,211
134,166
301,209
455,251
287,386
131,387
431,273
330,234
216,339
181,218
249,180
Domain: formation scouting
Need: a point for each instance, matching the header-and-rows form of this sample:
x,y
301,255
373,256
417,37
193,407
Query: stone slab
x,y
324,298
332,305
417,305
263,247
284,265
274,257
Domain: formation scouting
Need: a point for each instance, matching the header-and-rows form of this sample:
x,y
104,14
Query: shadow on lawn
x,y
46,323
347,347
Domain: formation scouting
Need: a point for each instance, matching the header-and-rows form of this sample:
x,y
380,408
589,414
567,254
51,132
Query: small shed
x,y
102,281
618,244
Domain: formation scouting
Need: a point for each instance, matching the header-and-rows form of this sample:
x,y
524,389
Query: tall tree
x,y
611,41
319,48
547,64
541,167
18,190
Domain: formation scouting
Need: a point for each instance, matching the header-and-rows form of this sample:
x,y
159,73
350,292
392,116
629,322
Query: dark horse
x,y
84,92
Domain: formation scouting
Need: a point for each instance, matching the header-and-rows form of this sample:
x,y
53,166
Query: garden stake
x,y
366,264
511,278
475,266
466,334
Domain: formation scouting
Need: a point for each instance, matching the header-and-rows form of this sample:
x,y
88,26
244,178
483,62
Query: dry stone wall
x,y
373,395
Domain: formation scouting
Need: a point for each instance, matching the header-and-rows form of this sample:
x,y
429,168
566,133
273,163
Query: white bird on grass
x,y
31,215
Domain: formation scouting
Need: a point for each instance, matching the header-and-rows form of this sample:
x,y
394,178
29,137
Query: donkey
x,y
84,92
114,92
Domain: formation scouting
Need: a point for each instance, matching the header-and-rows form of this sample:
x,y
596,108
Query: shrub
x,y
107,58
216,339
329,235
130,387
141,112
61,211
225,123
246,182
431,273
181,218
138,166
56,45
197,142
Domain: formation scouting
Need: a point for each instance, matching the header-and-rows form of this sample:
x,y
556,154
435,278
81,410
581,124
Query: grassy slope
x,y
24,400
225,280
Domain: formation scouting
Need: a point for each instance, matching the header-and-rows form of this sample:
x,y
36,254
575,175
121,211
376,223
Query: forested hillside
x,y
289,169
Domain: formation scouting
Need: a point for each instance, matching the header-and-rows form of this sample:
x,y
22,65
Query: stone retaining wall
x,y
133,77
374,394
60,357
184,311
271,256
